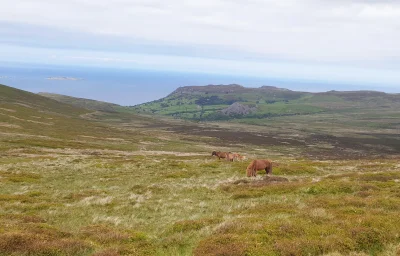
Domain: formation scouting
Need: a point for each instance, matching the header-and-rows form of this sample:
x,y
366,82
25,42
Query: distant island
x,y
64,78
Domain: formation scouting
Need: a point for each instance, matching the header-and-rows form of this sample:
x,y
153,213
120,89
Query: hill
x,y
14,98
82,103
36,122
214,102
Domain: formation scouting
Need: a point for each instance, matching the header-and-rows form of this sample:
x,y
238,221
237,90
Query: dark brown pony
x,y
226,155
256,165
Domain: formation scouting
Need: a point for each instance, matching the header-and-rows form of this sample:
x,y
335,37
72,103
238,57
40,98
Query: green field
x,y
79,182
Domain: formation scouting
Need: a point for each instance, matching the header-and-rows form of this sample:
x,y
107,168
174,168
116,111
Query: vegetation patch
x,y
19,177
107,235
223,245
296,168
190,225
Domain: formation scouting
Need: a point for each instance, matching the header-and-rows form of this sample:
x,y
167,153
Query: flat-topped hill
x,y
211,101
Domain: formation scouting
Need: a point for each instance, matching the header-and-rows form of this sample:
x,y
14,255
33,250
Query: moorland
x,y
101,179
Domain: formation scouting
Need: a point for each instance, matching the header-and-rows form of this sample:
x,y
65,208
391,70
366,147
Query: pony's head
x,y
214,153
249,171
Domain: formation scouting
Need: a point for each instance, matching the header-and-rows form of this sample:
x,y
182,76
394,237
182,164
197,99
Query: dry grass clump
x,y
260,188
33,244
298,168
222,245
21,218
19,177
107,235
108,252
180,174
189,225
29,236
375,166
380,177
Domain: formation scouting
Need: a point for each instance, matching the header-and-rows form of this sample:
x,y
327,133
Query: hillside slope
x,y
81,102
18,98
35,122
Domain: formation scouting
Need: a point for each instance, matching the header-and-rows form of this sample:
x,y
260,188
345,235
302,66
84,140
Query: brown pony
x,y
238,157
231,157
256,165
226,155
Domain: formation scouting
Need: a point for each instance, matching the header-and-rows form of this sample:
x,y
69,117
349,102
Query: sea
x,y
129,87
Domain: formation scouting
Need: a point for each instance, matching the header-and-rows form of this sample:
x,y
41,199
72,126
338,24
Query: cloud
x,y
306,30
357,33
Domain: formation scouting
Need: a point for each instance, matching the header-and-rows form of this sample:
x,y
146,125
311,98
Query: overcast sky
x,y
348,41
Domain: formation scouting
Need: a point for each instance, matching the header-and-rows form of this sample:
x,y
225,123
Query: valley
x,y
79,177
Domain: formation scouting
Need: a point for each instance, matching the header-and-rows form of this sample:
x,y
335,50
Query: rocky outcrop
x,y
238,109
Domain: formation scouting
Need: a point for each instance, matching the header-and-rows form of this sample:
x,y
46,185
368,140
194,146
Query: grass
x,y
83,103
124,184
94,205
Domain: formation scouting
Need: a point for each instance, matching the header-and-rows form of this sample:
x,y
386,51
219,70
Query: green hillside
x,y
82,103
210,102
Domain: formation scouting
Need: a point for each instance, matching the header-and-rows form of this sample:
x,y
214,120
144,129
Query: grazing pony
x,y
256,165
231,157
238,157
226,155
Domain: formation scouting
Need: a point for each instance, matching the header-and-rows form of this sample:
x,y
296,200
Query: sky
x,y
341,41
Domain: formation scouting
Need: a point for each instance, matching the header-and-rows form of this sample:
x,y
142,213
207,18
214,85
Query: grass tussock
x,y
297,168
19,177
190,225
29,244
106,235
29,236
222,245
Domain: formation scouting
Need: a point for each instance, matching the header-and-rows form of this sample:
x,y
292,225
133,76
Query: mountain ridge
x,y
221,88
